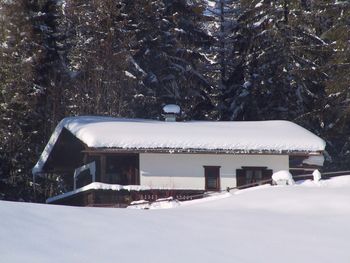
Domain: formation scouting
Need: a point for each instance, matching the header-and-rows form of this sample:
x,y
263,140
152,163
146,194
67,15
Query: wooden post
x,y
103,169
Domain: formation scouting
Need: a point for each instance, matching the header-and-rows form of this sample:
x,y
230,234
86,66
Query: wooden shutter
x,y
267,173
240,177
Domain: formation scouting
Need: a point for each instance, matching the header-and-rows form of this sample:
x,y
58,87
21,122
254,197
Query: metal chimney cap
x,y
171,108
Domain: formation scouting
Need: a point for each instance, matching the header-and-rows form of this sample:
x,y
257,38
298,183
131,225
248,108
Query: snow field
x,y
306,222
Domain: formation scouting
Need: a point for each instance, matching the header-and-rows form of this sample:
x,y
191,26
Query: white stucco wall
x,y
186,171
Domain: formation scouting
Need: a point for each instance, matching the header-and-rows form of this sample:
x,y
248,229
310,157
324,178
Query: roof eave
x,y
201,151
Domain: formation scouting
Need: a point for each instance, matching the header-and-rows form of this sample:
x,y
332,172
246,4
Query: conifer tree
x,y
331,119
278,72
19,126
97,57
168,58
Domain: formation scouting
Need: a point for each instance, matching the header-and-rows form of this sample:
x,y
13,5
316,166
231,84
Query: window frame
x,y
241,175
216,169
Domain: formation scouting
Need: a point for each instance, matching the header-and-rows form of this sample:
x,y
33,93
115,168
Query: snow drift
x,y
300,223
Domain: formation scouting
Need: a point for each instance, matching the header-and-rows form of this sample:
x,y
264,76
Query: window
x,y
252,175
116,168
83,179
122,169
212,178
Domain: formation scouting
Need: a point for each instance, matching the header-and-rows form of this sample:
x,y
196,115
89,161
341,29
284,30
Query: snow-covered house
x,y
101,157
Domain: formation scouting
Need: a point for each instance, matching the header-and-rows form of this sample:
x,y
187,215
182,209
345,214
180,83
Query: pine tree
x,y
278,72
19,128
222,24
167,59
51,73
97,58
331,119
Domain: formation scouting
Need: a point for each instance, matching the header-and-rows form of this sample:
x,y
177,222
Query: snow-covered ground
x,y
307,223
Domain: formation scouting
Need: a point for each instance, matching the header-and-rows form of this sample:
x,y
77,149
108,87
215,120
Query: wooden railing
x,y
326,175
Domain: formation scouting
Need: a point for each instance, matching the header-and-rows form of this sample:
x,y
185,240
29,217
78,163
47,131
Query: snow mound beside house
x,y
164,203
283,178
316,175
335,182
303,198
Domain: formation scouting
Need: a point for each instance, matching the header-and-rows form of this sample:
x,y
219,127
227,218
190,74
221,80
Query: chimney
x,y
170,111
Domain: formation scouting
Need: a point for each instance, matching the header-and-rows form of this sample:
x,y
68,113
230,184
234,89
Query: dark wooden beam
x,y
103,168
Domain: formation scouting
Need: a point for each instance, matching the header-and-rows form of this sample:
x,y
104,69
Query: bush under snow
x,y
283,178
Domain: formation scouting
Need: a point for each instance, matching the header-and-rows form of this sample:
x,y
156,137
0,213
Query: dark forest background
x,y
218,60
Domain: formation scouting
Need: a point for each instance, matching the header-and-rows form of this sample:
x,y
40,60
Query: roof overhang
x,y
199,151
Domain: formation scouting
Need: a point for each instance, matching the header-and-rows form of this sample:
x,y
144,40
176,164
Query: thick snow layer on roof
x,y
171,108
258,136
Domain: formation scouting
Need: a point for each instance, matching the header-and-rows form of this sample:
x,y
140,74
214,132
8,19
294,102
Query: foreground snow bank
x,y
163,203
338,182
309,222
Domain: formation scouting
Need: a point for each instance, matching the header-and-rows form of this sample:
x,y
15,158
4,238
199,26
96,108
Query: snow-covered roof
x,y
213,136
171,108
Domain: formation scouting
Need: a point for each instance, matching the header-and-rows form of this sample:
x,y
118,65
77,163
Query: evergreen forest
x,y
217,59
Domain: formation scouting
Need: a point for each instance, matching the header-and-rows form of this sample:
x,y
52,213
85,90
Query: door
x,y
212,178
